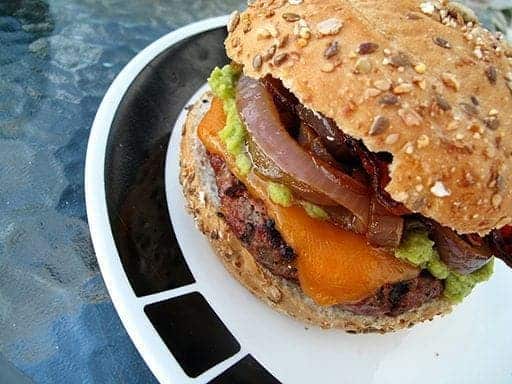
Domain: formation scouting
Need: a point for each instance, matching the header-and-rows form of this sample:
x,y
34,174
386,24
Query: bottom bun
x,y
199,188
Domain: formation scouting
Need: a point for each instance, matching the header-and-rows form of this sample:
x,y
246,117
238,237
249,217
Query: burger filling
x,y
309,203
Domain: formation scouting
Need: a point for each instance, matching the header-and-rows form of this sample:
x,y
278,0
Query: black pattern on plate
x,y
134,166
193,332
246,371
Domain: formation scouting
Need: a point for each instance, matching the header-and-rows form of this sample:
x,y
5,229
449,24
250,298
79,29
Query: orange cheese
x,y
334,266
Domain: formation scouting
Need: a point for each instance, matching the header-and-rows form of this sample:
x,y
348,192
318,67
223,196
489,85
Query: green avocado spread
x,y
418,249
223,81
280,194
314,211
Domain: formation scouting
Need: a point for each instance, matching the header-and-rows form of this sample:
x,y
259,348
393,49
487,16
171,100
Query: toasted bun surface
x,y
409,78
199,189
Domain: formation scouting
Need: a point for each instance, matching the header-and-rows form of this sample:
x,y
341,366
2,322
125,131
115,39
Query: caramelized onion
x,y
463,254
384,228
345,219
262,119
266,168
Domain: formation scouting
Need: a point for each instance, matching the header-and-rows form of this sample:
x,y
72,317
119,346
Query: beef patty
x,y
248,220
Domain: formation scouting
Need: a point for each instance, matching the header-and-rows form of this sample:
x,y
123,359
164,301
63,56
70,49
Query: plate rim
x,y
116,281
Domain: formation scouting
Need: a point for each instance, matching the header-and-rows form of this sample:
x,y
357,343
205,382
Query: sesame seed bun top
x,y
422,81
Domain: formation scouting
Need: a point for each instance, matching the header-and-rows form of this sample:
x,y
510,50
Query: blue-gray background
x,y
57,59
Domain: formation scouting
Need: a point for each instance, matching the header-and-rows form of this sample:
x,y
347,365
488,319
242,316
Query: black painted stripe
x,y
134,166
193,332
246,371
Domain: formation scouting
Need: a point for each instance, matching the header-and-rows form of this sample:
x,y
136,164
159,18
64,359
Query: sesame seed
x,y
305,32
492,74
383,85
440,190
418,187
475,101
327,67
493,112
371,92
400,60
450,80
257,61
388,99
329,27
478,53
290,17
492,123
427,8
403,88
367,48
420,68
409,148
279,59
387,51
331,50
469,109
295,2
269,53
443,43
363,65
302,29
234,19
379,125
392,138
410,117
442,103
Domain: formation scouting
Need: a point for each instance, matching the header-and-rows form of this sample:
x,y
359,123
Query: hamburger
x,y
351,165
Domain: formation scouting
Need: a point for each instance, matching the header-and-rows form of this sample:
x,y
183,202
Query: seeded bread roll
x,y
422,81
199,189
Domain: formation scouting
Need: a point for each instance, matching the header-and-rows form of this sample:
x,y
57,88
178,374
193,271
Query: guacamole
x,y
280,194
222,81
314,211
419,250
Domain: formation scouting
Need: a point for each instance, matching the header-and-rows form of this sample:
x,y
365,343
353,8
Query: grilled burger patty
x,y
248,219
